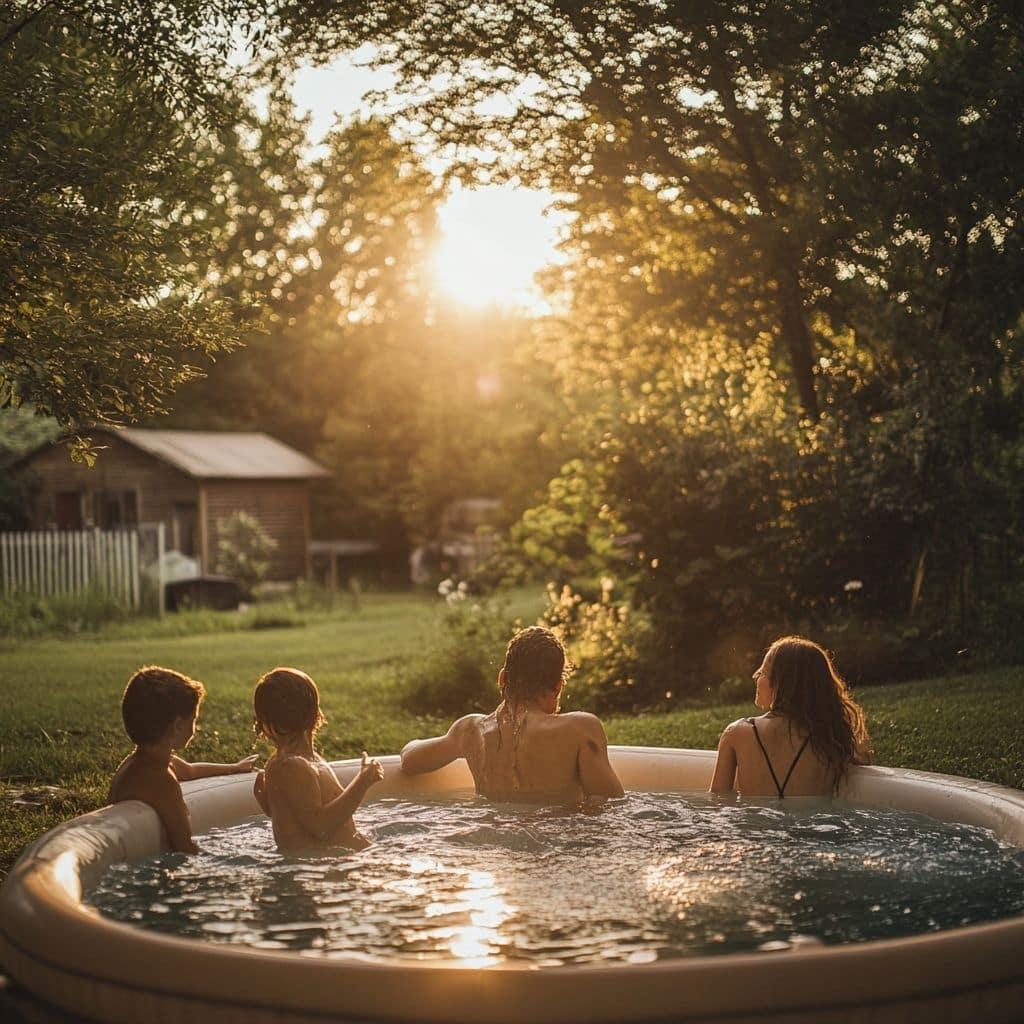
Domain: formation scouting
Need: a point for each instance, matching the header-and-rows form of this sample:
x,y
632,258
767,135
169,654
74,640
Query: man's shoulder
x,y
467,724
581,721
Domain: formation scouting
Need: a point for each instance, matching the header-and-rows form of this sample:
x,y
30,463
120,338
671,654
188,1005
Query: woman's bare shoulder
x,y
740,725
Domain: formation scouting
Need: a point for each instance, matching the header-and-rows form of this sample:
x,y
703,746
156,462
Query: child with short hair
x,y
159,709
811,732
526,750
306,804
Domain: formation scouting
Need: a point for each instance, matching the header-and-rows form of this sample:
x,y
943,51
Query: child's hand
x,y
372,771
247,764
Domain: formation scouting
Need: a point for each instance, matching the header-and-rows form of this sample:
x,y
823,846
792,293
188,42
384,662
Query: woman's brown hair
x,y
809,692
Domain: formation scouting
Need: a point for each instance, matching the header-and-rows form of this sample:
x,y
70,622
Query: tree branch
x,y
27,20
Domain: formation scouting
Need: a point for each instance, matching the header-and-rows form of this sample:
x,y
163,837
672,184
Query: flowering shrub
x,y
456,673
606,642
243,550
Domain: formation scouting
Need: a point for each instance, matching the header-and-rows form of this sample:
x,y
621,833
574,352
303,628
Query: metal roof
x,y
224,454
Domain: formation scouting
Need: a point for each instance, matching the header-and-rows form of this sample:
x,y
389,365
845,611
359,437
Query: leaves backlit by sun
x,y
494,240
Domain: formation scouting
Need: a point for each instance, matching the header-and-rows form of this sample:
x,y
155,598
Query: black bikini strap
x,y
768,761
785,781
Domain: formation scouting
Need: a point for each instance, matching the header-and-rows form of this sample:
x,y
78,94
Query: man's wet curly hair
x,y
286,702
535,663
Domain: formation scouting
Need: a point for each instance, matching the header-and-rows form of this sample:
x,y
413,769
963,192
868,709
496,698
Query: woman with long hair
x,y
810,733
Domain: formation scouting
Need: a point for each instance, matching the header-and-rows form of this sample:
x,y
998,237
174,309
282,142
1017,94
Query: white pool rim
x,y
69,955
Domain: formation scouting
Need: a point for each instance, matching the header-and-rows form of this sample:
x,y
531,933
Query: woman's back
x,y
772,754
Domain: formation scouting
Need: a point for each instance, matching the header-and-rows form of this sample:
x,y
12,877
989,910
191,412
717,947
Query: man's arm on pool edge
x,y
597,776
419,756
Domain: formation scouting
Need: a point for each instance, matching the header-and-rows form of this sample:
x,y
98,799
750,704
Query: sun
x,y
493,241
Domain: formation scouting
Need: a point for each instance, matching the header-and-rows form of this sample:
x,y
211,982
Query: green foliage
x,y
573,532
781,376
24,615
98,292
605,641
17,498
243,549
311,596
456,670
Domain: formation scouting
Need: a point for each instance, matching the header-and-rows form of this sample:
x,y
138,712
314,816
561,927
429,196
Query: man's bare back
x,y
536,756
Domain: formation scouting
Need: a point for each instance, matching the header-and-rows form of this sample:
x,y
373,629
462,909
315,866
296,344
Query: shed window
x,y
114,509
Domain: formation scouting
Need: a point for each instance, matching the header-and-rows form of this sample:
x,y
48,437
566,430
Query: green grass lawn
x,y
60,723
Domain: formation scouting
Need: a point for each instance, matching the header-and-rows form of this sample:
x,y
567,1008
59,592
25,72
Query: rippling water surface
x,y
655,876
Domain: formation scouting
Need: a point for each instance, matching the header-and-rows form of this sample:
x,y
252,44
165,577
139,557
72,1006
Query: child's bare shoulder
x,y
293,768
139,780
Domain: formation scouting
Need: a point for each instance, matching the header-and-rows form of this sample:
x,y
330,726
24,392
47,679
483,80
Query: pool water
x,y
656,876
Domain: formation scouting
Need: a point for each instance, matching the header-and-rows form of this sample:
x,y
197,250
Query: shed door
x,y
183,527
68,510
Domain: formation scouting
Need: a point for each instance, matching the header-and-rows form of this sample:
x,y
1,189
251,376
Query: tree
x,y
718,110
335,251
902,480
103,305
97,299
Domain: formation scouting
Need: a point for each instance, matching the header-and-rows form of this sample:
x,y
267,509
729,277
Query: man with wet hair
x,y
525,750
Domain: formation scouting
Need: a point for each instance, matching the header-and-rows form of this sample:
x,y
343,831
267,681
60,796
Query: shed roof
x,y
224,454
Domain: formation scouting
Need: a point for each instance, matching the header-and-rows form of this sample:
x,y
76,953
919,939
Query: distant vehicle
x,y
467,537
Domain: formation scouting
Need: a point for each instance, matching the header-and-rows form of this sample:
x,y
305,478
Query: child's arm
x,y
259,790
420,756
597,776
296,781
724,779
185,771
165,798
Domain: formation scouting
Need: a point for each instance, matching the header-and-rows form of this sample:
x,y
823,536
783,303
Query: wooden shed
x,y
187,479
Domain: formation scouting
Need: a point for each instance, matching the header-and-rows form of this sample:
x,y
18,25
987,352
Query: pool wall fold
x,y
69,955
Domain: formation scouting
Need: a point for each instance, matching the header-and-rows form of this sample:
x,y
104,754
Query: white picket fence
x,y
72,561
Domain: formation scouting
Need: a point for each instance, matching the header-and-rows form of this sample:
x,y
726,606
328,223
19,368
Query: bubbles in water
x,y
655,876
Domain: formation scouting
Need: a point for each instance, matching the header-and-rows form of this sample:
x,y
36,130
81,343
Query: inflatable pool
x,y
67,954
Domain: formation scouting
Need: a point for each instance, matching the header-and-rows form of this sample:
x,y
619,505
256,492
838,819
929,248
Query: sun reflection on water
x,y
674,882
479,943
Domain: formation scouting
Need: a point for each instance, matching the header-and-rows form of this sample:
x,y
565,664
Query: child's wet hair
x,y
535,663
810,692
286,702
154,698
